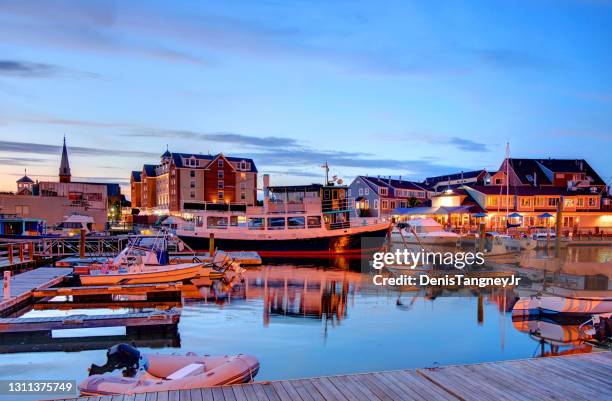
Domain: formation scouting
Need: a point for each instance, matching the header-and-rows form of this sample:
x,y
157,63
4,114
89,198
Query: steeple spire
x,y
64,170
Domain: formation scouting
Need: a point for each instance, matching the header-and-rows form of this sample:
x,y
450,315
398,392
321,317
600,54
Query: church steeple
x,y
64,170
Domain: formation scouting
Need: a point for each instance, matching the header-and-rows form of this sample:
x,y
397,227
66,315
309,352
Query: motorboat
x,y
73,224
566,302
143,373
500,248
425,231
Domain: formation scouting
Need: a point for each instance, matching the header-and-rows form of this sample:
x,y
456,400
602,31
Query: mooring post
x,y
558,227
21,251
10,254
480,309
82,245
6,293
482,236
31,250
211,245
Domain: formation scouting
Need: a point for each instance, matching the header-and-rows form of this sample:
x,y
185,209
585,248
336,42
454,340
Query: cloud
x,y
512,59
38,148
21,161
467,144
24,69
225,137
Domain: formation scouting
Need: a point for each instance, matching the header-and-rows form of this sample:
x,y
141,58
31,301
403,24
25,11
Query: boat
x,y
144,373
16,227
501,248
138,274
316,219
564,302
73,224
423,231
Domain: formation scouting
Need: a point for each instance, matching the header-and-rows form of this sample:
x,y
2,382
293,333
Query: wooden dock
x,y
23,285
101,290
157,319
575,377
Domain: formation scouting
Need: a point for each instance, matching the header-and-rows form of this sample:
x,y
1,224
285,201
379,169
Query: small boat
x,y
501,248
156,372
423,231
572,303
73,224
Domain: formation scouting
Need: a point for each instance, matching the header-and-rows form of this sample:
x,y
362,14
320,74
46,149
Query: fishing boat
x,y
293,219
423,231
155,372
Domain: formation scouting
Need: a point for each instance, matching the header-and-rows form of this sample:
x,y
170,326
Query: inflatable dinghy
x,y
166,372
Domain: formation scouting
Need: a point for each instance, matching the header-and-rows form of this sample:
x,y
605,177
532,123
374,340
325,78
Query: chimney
x,y
266,185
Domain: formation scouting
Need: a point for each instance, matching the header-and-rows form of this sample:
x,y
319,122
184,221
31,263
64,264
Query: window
x,y
276,223
367,204
192,194
375,203
385,204
592,201
242,195
498,181
220,163
296,222
256,223
382,191
360,191
367,191
491,200
23,210
216,222
192,184
192,173
392,204
220,174
242,166
553,202
220,195
220,185
349,192
580,202
314,221
525,202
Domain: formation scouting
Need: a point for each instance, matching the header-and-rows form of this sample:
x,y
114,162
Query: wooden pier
x,y
131,321
109,290
22,286
575,377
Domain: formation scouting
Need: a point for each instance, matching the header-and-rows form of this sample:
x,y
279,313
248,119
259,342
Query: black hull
x,y
340,244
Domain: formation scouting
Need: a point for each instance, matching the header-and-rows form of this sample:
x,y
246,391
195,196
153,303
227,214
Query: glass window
x,y
192,173
220,174
256,223
216,222
234,221
220,163
276,223
296,222
314,221
220,184
220,195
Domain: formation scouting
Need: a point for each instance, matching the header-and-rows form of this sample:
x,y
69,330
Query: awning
x,y
515,215
545,216
408,211
359,199
453,210
480,215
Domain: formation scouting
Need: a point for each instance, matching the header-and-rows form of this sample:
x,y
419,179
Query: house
x,y
451,181
186,182
378,197
572,174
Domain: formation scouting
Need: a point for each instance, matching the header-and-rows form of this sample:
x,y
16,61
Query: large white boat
x,y
73,224
423,231
308,218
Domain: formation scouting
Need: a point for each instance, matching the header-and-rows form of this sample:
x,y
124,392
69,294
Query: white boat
x,y
161,373
424,231
566,302
73,224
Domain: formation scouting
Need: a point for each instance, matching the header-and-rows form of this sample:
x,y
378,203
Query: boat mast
x,y
507,182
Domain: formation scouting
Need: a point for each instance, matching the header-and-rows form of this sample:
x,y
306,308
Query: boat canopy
x,y
428,222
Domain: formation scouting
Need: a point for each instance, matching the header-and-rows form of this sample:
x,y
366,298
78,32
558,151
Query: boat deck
x,y
23,285
575,377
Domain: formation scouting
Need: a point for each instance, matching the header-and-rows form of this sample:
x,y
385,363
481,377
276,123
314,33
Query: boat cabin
x,y
15,226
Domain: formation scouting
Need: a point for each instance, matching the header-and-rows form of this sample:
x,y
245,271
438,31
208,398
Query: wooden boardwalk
x,y
22,285
575,377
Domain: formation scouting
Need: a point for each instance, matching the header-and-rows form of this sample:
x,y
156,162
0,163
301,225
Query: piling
x,y
30,250
558,227
21,252
6,290
211,244
10,254
482,236
82,245
480,309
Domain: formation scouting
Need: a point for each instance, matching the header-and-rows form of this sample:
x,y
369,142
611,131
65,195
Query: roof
x,y
527,191
455,176
400,184
149,170
166,154
25,178
178,159
136,175
530,170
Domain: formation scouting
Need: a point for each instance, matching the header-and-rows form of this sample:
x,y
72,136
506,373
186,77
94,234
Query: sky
x,y
410,88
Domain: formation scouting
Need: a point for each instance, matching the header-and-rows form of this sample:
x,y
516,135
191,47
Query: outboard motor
x,y
120,356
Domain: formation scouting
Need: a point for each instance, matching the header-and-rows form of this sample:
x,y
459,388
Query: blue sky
x,y
411,88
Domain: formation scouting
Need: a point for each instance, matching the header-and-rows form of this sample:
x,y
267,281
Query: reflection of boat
x,y
563,338
152,373
423,231
565,302
501,248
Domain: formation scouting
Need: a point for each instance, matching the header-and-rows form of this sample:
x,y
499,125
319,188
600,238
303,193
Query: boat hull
x,y
174,274
557,305
335,244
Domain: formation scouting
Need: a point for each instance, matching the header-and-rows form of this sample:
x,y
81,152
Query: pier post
x,y
82,245
482,236
10,254
31,250
6,293
211,245
21,251
558,227
480,309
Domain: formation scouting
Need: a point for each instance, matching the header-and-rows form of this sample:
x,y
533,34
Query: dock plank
x,y
576,377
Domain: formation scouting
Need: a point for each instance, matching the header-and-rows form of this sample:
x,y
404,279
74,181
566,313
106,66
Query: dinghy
x,y
156,372
576,303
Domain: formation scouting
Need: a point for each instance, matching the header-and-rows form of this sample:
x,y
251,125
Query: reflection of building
x,y
185,182
53,200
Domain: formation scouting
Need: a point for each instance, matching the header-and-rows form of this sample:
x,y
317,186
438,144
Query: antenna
x,y
326,167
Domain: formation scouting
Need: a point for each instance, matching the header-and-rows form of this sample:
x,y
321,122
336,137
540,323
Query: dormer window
x,y
220,163
382,191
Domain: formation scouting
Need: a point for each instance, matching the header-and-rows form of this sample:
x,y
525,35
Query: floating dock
x,y
131,321
22,286
575,377
107,291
